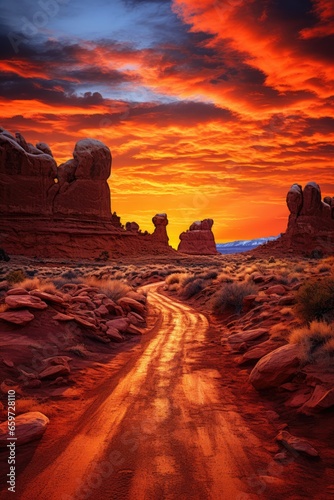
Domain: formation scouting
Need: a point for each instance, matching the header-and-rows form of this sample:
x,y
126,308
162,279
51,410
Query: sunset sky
x,y
210,108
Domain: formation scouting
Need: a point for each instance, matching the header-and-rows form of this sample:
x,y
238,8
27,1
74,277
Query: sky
x,y
211,108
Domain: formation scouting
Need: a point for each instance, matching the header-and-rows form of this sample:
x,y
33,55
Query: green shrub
x,y
230,297
315,300
15,276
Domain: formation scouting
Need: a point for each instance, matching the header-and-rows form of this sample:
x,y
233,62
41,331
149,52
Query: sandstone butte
x,y
199,239
310,229
65,211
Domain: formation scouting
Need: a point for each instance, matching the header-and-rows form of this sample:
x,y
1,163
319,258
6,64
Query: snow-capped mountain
x,y
242,245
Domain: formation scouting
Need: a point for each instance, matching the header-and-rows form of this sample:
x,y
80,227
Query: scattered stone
x,y
28,427
276,367
17,291
257,352
276,289
20,301
295,443
83,322
133,330
130,304
321,399
19,317
120,324
288,300
47,297
114,334
247,336
102,310
63,317
54,371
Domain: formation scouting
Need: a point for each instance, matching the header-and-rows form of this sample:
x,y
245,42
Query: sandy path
x,y
162,433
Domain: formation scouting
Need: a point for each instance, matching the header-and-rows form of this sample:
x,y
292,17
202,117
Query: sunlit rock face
x,y
199,239
310,229
160,222
82,187
65,211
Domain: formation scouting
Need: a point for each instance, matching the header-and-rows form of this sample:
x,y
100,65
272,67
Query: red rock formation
x,y
160,222
310,228
65,212
199,239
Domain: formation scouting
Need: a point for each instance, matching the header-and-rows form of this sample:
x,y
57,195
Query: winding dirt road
x,y
163,433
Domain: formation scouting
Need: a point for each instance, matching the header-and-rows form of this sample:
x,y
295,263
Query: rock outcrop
x,y
199,239
65,211
310,229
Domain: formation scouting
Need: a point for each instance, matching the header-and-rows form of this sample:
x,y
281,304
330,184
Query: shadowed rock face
x,y
25,177
199,239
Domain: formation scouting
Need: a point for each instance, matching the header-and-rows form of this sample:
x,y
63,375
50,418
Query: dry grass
x,y
114,289
316,341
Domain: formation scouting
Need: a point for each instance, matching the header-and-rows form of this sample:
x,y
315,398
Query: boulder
x,y
247,335
47,297
276,289
28,427
18,317
294,199
120,324
198,239
276,367
296,443
129,304
114,334
54,371
321,399
23,301
257,352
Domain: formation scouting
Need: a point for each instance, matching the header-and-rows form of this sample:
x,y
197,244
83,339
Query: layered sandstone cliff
x,y
65,211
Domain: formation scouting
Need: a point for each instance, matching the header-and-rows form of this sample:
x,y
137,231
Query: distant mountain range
x,y
242,245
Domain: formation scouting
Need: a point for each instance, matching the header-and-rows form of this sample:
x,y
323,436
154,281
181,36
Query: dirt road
x,y
163,433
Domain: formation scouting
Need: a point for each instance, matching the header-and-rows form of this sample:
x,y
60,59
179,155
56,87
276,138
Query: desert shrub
x,y
279,331
114,289
78,350
230,297
31,284
209,275
69,275
315,300
175,278
60,282
15,276
316,341
31,272
193,288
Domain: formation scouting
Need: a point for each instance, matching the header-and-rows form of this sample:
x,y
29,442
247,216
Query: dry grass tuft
x,y
114,289
316,341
